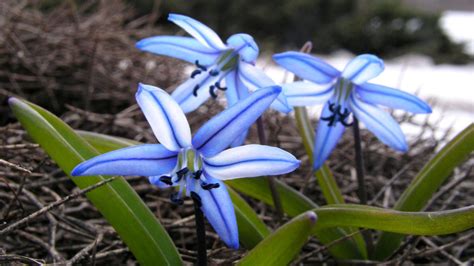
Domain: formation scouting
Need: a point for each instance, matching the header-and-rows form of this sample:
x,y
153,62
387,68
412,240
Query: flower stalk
x,y
200,230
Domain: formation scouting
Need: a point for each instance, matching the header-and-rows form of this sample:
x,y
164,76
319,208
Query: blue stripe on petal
x,y
165,117
307,67
201,32
219,211
393,98
301,93
219,132
184,48
326,138
362,68
145,160
380,123
250,161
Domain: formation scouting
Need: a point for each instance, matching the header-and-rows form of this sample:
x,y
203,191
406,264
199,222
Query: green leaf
x,y
117,201
426,183
410,223
251,229
293,202
284,244
326,181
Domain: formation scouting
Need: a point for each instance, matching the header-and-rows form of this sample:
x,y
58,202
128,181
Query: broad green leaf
x,y
284,244
326,181
117,201
410,223
251,229
426,183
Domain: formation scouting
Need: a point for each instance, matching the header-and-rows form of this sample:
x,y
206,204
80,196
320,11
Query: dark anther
x,y
176,199
197,174
331,107
218,86
343,114
195,90
195,73
182,172
196,198
212,92
203,68
166,179
214,72
209,186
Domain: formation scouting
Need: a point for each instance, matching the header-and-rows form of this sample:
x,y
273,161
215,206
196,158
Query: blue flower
x,y
344,93
197,165
233,62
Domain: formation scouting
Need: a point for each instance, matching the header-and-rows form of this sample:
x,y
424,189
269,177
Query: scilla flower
x,y
197,165
346,93
232,62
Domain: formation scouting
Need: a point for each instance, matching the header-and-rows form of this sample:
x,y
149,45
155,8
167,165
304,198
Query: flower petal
x,y
219,211
201,32
254,79
144,160
393,98
245,45
250,161
184,48
236,90
301,93
362,68
165,117
307,67
222,129
380,123
326,138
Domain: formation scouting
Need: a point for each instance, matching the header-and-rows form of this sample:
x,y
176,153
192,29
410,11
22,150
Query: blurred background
x,y
54,52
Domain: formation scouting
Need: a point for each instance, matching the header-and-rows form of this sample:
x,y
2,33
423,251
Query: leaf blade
x,y
133,221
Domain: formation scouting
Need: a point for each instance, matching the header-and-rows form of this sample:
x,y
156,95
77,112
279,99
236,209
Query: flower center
x,y
188,176
226,62
338,109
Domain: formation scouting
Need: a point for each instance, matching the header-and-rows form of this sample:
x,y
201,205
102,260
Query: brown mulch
x,y
80,62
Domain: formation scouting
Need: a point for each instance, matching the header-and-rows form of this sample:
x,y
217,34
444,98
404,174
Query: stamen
x,y
210,186
176,199
196,198
182,172
195,90
212,92
214,72
218,86
197,174
203,68
347,124
166,179
195,73
331,107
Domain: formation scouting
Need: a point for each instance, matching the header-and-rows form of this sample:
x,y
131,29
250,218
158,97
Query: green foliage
x,y
117,201
427,182
284,244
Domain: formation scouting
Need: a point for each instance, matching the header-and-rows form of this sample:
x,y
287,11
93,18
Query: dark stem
x,y
271,183
361,179
200,231
359,162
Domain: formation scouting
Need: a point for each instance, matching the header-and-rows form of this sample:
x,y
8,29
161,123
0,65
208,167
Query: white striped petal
x,y
250,161
165,117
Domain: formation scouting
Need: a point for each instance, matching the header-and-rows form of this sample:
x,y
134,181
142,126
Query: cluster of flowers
x,y
197,165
